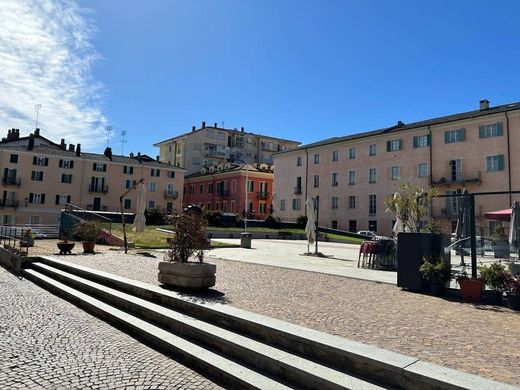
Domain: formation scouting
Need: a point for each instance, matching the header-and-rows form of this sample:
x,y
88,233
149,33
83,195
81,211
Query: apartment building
x,y
222,188
212,145
353,175
40,177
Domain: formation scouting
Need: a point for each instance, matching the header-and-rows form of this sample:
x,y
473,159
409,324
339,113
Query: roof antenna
x,y
123,141
108,129
37,107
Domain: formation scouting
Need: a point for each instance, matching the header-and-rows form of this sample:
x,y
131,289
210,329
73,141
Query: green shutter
x,y
500,162
428,139
446,137
43,199
388,146
481,132
60,164
399,142
488,163
500,130
462,133
415,141
34,160
57,199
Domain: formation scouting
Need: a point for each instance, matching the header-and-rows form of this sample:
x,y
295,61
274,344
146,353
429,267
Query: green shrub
x,y
435,270
272,222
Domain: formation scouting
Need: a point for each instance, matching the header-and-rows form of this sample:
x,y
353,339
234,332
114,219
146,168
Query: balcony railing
x,y
215,153
171,194
98,188
262,195
449,212
11,181
465,178
223,193
9,203
297,190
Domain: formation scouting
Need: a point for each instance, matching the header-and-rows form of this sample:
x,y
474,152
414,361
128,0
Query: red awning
x,y
499,215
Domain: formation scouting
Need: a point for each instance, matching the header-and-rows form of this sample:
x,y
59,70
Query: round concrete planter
x,y
65,247
187,275
88,246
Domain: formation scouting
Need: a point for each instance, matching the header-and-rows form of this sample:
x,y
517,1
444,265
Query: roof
x,y
234,167
223,129
410,126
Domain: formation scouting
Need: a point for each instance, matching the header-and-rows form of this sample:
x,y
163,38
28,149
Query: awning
x,y
499,215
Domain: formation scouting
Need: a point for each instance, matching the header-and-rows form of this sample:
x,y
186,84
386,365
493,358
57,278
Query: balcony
x,y
171,194
466,178
6,203
449,213
98,188
223,193
262,195
11,181
297,190
215,153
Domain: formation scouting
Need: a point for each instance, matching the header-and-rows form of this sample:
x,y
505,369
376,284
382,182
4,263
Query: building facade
x,y
353,175
40,177
212,145
222,188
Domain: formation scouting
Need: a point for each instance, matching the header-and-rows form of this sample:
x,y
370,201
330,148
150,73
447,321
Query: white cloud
x,y
46,58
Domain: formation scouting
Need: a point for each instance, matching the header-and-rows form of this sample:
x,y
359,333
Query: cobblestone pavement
x,y
48,343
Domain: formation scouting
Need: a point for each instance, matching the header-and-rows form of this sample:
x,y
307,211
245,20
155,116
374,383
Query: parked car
x,y
368,234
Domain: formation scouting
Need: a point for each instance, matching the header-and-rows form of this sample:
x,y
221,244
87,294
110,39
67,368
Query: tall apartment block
x,y
353,175
212,145
40,177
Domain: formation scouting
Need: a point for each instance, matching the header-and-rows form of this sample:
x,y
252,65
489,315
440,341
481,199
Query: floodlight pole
x,y
123,214
245,207
317,207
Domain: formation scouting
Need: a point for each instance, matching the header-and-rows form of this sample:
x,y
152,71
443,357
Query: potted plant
x,y
471,289
183,266
513,293
27,238
87,232
499,242
437,273
496,277
64,246
514,266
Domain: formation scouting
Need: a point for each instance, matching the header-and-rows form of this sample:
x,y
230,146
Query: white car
x,y
368,234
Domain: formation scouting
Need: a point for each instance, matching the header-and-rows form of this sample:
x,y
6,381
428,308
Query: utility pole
x,y
108,130
123,141
37,107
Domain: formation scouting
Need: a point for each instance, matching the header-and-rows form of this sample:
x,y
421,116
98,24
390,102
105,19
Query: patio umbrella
x,y
399,226
139,219
463,229
310,228
514,225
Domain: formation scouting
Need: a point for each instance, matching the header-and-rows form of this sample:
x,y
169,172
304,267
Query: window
x,y
62,199
192,189
296,204
393,145
13,159
250,186
351,202
423,170
421,141
351,177
210,188
282,204
334,224
316,158
453,136
66,178
352,153
152,186
99,167
128,170
151,204
316,181
334,203
352,225
37,175
492,130
127,204
262,207
335,155
42,161
372,175
66,164
334,179
171,174
495,163
372,149
396,173
298,161
455,170
372,204
201,188
155,172
36,198
233,185
129,183
34,219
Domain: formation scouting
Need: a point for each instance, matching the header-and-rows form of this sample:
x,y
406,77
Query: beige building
x,y
40,177
352,175
212,145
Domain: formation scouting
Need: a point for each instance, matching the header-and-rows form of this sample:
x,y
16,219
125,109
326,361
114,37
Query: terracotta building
x,y
212,145
40,177
222,188
352,175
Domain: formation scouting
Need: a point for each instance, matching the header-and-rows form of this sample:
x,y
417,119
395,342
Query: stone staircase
x,y
236,348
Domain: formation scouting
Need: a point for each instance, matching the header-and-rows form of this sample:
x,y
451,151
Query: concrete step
x,y
290,368
224,370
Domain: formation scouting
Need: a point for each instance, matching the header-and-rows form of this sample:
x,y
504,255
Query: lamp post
x,y
245,206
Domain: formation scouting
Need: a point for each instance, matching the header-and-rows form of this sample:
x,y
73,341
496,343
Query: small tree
x,y
411,205
189,237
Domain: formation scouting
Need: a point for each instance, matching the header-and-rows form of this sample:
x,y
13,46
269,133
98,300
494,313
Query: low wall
x,y
11,261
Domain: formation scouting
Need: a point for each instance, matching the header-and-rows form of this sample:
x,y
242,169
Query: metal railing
x,y
11,181
262,195
9,203
297,190
15,239
98,188
89,215
466,177
171,194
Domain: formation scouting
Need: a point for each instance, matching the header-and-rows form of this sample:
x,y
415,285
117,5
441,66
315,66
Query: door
x,y
97,204
455,170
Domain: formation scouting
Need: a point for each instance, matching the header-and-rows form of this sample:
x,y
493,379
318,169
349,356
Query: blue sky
x,y
302,70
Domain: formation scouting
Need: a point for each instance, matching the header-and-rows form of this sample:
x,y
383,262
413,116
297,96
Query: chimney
x,y
400,124
17,133
30,144
131,154
484,104
37,132
157,158
215,125
62,144
193,128
78,149
71,147
203,125
108,153
11,134
139,156
242,129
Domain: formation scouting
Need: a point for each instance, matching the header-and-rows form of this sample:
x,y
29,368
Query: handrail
x,y
74,208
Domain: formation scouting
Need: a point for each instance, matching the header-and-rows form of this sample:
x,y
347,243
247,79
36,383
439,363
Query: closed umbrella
x,y
310,228
514,225
463,229
139,219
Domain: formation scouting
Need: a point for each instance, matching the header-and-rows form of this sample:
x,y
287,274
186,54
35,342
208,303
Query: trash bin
x,y
245,240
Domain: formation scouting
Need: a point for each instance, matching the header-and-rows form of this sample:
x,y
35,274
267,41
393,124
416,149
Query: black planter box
x,y
411,248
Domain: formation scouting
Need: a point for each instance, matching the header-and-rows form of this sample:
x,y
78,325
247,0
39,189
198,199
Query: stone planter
x,y
88,246
501,249
437,289
187,275
471,290
513,301
492,297
65,247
